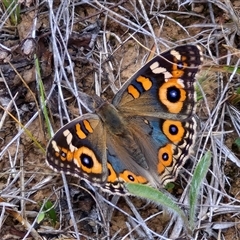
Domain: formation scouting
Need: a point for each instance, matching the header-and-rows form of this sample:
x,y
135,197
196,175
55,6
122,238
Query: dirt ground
x,y
51,50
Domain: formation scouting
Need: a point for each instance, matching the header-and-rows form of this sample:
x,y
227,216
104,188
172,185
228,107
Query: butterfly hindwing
x,y
166,146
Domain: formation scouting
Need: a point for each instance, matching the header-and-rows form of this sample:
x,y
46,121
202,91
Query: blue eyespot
x,y
173,129
86,161
173,94
165,156
180,65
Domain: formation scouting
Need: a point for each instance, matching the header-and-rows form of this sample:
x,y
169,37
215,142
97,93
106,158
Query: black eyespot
x,y
131,178
63,154
173,129
165,156
86,161
173,94
180,65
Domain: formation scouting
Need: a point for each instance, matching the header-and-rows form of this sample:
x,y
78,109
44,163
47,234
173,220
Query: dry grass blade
x,y
17,216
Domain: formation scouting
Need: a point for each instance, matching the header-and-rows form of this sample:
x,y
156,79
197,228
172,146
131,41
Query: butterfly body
x,y
143,136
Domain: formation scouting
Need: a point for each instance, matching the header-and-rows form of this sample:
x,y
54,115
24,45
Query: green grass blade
x,y
197,179
159,198
42,95
13,8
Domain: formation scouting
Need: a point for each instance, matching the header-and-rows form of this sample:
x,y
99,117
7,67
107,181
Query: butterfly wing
x,y
79,148
164,87
166,145
127,155
147,133
158,103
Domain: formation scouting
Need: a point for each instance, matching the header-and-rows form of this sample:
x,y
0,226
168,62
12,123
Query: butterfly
x,y
143,136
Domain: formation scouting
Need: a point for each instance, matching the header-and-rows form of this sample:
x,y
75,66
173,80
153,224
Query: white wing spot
x,y
76,162
68,166
71,147
176,54
181,82
157,70
66,132
68,136
154,66
55,147
167,75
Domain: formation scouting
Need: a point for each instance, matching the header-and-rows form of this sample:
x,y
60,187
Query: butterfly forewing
x,y
164,85
71,149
